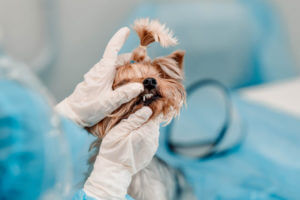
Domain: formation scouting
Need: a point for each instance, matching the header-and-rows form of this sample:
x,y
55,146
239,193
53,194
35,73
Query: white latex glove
x,y
93,99
126,149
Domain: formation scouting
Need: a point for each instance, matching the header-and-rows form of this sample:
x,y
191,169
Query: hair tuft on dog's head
x,y
153,31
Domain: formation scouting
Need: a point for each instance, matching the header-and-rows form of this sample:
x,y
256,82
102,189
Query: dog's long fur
x,y
166,99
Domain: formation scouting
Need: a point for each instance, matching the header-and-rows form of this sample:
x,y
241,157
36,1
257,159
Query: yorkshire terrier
x,y
164,93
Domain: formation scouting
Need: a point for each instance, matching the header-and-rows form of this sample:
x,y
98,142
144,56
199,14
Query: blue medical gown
x,y
265,165
82,196
41,155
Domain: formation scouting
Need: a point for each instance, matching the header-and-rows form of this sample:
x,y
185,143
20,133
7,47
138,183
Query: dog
x,y
164,93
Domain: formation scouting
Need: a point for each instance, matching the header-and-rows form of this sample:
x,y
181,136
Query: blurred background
x,y
245,126
240,43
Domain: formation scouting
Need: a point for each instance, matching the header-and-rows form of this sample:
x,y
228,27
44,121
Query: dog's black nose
x,y
150,83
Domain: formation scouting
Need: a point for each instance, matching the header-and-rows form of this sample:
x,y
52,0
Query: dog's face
x,y
163,89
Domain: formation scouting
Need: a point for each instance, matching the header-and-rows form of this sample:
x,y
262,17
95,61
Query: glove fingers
x,y
115,44
148,134
107,66
104,71
100,72
133,122
145,142
125,93
123,59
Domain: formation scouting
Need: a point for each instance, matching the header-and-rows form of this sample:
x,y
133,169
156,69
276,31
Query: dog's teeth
x,y
148,96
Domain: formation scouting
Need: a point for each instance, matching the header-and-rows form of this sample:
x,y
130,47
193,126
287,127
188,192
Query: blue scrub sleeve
x,y
81,195
29,168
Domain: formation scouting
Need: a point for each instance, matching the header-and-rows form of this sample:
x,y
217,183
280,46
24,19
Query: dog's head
x,y
162,78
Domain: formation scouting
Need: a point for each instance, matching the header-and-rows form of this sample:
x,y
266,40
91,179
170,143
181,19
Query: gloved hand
x,y
126,149
93,99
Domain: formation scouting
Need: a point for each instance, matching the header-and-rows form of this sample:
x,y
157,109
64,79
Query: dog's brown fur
x,y
168,72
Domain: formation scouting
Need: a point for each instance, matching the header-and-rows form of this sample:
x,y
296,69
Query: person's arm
x,y
93,99
126,149
130,145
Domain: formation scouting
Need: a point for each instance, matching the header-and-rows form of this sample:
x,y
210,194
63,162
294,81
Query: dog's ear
x,y
172,65
178,56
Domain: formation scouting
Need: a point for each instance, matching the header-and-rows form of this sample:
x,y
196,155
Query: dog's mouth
x,y
148,96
